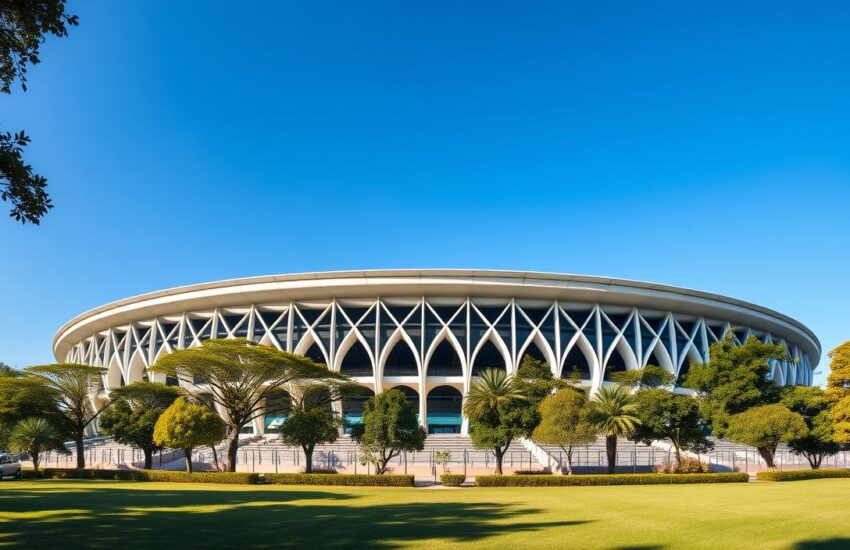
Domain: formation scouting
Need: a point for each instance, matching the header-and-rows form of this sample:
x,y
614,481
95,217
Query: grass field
x,y
72,514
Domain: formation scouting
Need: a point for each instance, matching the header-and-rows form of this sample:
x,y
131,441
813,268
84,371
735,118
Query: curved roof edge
x,y
460,276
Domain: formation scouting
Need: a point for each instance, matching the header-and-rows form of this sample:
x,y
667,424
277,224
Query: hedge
x,y
230,478
797,475
452,480
363,480
612,479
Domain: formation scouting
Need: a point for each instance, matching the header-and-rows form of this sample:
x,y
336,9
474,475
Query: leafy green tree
x,y
838,391
735,379
812,404
25,24
73,383
674,417
24,397
186,426
389,428
35,436
614,413
564,422
494,404
535,382
240,375
6,370
650,376
311,421
765,427
132,417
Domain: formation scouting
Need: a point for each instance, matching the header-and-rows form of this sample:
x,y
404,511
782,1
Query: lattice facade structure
x,y
427,342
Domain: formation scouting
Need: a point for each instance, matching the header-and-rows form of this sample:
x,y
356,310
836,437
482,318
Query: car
x,y
10,467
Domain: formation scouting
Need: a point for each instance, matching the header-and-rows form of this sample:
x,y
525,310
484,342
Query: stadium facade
x,y
430,332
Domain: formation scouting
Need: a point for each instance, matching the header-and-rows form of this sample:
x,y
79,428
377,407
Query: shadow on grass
x,y
130,516
825,544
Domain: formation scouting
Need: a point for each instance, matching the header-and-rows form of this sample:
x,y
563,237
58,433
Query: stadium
x,y
430,332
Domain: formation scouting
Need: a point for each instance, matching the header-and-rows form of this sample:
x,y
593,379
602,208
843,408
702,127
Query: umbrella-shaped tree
x,y
614,412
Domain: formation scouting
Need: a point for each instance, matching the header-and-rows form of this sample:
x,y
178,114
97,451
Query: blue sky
x,y
697,145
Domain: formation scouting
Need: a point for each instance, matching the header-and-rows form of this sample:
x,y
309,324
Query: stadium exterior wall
x,y
430,331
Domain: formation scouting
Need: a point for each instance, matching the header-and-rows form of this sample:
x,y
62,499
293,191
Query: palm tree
x,y
613,412
486,402
33,436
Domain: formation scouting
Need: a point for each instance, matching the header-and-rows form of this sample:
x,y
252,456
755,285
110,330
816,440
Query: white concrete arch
x,y
113,373
347,343
536,338
586,348
136,368
621,346
659,352
492,336
446,334
398,337
307,342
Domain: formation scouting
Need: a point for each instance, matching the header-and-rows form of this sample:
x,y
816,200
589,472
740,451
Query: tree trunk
x,y
34,454
611,451
148,458
188,454
308,458
215,458
81,453
767,454
500,454
570,460
232,447
814,460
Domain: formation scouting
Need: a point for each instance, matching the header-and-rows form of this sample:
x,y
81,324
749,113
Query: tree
x,y
613,411
650,376
534,381
564,422
838,391
7,370
240,375
311,421
73,384
24,26
493,407
24,397
185,426
765,427
812,404
132,417
674,417
735,379
389,428
34,436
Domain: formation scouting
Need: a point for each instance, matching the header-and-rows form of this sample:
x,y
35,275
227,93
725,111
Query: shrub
x,y
230,478
608,479
686,466
797,475
321,471
452,480
532,473
362,480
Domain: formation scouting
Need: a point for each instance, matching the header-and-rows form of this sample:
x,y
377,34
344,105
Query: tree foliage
x,y
812,404
564,422
240,375
673,417
24,397
614,413
838,391
24,26
186,426
495,406
735,379
650,376
389,428
132,417
73,383
35,436
765,427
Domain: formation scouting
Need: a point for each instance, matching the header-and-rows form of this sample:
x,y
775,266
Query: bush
x,y
362,480
322,471
607,479
452,480
687,466
532,473
230,478
797,475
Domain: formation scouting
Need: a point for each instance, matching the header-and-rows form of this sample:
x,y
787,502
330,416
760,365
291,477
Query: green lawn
x,y
117,515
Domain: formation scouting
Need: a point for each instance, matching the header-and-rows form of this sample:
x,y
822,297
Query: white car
x,y
9,467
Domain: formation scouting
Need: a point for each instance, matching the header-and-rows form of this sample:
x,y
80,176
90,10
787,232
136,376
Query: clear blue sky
x,y
705,145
